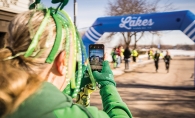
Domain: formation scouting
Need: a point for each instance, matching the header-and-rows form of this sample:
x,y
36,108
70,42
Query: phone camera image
x,y
96,56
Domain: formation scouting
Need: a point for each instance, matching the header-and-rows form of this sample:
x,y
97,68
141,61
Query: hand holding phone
x,y
96,56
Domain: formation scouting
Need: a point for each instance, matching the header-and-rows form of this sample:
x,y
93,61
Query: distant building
x,y
8,9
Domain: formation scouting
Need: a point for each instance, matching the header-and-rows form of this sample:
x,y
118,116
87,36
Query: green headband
x,y
56,18
61,5
36,37
73,46
58,39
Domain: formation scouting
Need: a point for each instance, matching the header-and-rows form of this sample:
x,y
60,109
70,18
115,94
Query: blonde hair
x,y
15,87
21,31
18,76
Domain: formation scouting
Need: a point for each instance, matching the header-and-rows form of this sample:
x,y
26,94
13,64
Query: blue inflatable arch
x,y
178,20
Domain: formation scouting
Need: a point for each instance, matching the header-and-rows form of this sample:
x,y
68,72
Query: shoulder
x,y
78,111
41,104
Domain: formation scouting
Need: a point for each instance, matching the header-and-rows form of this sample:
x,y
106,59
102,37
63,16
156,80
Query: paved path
x,y
133,65
157,95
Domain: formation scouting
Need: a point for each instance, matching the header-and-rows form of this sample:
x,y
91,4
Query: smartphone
x,y
96,56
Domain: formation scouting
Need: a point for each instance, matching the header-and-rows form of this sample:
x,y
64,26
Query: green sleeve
x,y
77,111
113,104
49,102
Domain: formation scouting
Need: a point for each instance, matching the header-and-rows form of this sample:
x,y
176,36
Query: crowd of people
x,y
119,54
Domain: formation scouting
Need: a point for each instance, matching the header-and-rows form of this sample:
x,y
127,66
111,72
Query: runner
x,y
167,59
156,59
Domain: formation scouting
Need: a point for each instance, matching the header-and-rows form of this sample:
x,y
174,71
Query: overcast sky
x,y
89,10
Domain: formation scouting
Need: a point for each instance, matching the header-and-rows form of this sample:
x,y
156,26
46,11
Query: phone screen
x,y
96,56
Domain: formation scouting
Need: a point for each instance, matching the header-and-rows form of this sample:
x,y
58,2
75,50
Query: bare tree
x,y
137,39
123,7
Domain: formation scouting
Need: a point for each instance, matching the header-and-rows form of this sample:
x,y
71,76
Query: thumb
x,y
106,68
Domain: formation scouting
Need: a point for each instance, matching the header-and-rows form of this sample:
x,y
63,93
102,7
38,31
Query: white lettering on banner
x,y
130,22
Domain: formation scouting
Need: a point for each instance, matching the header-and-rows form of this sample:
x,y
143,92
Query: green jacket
x,y
49,102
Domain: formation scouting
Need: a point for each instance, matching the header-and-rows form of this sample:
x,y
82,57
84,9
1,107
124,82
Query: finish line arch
x,y
177,20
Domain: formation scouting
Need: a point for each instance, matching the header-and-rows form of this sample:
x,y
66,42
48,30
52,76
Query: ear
x,y
60,63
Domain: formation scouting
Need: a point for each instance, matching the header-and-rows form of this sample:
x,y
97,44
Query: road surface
x,y
158,95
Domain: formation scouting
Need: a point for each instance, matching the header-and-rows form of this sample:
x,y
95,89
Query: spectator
x,y
161,54
121,53
127,56
150,54
118,57
134,54
114,57
37,65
